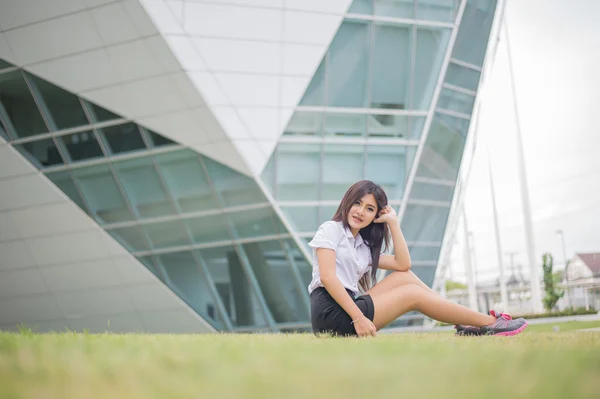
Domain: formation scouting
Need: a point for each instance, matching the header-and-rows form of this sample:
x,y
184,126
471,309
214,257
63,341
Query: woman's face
x,y
362,213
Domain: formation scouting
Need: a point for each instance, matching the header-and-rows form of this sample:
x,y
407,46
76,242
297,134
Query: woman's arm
x,y
400,261
333,285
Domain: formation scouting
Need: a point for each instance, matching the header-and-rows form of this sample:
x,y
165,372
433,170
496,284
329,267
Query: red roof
x,y
592,261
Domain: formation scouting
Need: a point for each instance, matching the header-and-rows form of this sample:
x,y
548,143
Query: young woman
x,y
347,252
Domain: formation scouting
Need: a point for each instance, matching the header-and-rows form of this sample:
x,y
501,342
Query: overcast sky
x,y
555,46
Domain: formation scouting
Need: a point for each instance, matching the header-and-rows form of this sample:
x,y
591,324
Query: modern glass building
x,y
164,163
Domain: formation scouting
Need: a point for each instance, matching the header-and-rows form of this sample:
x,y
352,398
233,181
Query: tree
x,y
455,285
553,294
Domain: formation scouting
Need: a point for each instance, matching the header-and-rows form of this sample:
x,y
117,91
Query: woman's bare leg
x,y
397,279
393,303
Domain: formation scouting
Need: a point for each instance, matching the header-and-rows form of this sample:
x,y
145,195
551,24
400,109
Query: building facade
x,y
164,163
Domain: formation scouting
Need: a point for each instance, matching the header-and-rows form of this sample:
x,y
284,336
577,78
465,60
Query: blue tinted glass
x,y
208,228
343,166
292,158
167,234
463,77
233,286
436,10
143,187
233,187
148,261
386,166
429,54
19,111
102,194
348,65
388,126
131,238
305,124
41,153
390,66
65,183
315,93
456,101
80,146
395,8
361,7
122,138
326,213
184,277
273,271
430,191
416,125
186,180
159,141
99,114
345,125
254,223
424,253
443,148
425,273
474,31
268,175
63,108
302,218
424,222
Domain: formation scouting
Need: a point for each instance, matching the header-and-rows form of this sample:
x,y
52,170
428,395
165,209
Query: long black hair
x,y
375,234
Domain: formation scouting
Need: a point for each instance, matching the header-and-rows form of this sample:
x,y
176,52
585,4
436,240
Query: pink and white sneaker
x,y
504,325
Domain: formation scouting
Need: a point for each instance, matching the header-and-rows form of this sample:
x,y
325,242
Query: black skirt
x,y
328,317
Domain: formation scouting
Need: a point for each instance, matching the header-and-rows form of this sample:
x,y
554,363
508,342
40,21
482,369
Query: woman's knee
x,y
411,294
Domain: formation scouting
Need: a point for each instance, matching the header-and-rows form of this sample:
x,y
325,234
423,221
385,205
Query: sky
x,y
555,48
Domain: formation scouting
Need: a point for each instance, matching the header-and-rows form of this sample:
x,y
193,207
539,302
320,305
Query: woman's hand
x,y
387,215
365,327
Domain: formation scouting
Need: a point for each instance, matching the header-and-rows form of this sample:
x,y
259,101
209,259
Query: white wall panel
x,y
302,59
329,6
252,153
15,310
15,254
186,53
8,227
250,90
22,282
25,190
173,321
113,24
24,12
12,163
82,275
322,27
113,322
92,302
229,55
50,219
162,16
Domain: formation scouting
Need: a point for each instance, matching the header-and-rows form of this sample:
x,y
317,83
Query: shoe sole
x,y
513,332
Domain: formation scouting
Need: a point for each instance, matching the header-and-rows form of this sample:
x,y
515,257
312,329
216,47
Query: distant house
x,y
584,266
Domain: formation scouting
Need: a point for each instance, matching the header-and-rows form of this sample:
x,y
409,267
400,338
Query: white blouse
x,y
352,255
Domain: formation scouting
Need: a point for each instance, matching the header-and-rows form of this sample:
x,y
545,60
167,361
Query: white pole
x,y
503,291
467,257
536,297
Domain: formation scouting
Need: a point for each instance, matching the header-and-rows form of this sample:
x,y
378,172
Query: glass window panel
x,y
436,10
345,125
41,153
132,238
80,146
99,114
386,166
303,218
185,278
167,234
348,65
254,223
424,222
268,175
19,111
390,66
422,253
4,64
206,229
416,125
143,188
186,180
474,31
123,138
65,183
456,101
462,77
429,55
435,192
233,187
102,194
293,159
280,289
158,140
387,125
3,132
305,124
148,262
425,273
303,266
63,107
326,213
361,7
315,93
395,8
342,166
233,286
444,148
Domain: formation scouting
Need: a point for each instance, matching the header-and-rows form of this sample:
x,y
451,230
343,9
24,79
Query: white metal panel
x,y
301,59
230,55
263,123
93,302
253,154
25,12
186,53
15,310
112,322
113,24
5,52
230,120
26,190
82,275
134,60
12,163
162,16
50,219
152,296
15,254
21,282
8,227
130,272
329,6
250,90
181,126
322,27
64,248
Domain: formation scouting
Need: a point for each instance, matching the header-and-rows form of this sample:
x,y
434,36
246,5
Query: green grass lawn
x,y
440,365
